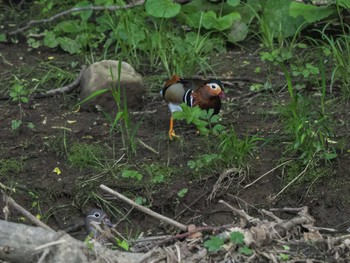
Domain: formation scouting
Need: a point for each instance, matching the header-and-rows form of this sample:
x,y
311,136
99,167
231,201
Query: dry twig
x,y
144,209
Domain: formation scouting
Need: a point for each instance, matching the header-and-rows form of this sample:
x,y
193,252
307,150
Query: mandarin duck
x,y
100,217
206,94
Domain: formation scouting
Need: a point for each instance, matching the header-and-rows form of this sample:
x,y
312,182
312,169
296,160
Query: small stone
x,y
104,75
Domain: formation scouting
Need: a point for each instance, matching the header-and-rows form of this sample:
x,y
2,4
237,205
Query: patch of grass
x,y
86,155
10,166
309,125
338,50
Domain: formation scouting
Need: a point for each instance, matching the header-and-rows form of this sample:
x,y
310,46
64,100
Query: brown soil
x,y
61,196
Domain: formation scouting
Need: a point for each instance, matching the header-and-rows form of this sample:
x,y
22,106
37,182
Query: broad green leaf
x,y
344,3
162,8
276,17
85,15
3,38
225,22
140,200
245,250
68,26
24,99
214,244
311,13
132,174
210,20
237,238
69,45
15,124
233,2
50,39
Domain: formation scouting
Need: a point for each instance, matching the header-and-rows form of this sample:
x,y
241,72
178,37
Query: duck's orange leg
x,y
172,134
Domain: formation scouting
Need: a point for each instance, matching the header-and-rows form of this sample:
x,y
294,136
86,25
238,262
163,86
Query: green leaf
x,y
3,38
68,26
191,164
214,244
245,251
69,45
24,99
123,244
284,257
30,125
237,238
344,3
158,178
83,14
210,20
162,8
15,124
50,39
285,247
182,192
311,13
276,17
140,200
132,174
233,2
330,156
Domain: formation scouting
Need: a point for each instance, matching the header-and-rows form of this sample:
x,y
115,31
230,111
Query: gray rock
x,y
104,75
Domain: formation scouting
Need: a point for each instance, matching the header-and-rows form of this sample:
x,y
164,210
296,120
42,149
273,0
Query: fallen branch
x,y
77,9
22,243
144,209
25,213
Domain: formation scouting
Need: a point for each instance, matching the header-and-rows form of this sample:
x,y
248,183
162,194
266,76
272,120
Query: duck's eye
x,y
97,215
213,86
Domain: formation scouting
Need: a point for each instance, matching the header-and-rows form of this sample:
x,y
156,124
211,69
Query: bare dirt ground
x,y
60,196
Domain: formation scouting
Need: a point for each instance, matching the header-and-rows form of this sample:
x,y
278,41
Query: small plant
x,y
132,174
309,127
204,120
203,161
19,93
215,243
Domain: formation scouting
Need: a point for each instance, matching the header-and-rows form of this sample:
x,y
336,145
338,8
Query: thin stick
x,y
151,149
25,213
144,209
291,182
77,9
273,169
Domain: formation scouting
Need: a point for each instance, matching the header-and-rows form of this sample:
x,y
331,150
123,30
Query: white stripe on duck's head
x,y
215,87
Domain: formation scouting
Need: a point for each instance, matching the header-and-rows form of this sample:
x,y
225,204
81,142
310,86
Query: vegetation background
x,y
286,70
